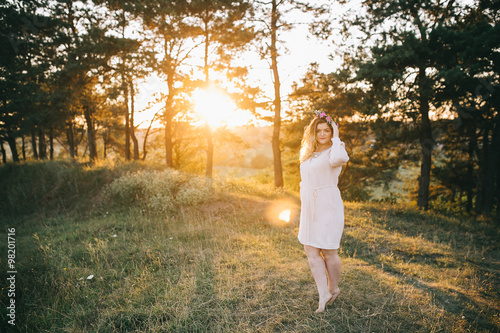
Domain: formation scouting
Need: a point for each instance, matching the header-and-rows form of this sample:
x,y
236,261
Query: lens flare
x,y
285,215
282,212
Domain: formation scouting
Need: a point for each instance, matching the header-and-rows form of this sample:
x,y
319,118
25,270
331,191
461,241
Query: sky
x,y
293,64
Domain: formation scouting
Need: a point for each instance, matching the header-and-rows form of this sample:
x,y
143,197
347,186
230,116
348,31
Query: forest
x,y
416,88
149,174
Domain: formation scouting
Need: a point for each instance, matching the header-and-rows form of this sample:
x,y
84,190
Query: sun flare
x,y
285,215
217,109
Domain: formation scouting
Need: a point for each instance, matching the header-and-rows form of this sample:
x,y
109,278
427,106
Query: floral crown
x,y
324,116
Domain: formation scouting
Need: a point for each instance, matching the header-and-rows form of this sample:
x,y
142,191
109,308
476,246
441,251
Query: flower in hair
x,y
327,118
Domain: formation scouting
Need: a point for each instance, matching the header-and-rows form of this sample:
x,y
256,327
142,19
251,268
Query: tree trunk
x,y
42,146
144,143
125,78
470,167
105,144
4,153
13,148
488,170
208,130
127,124
278,171
426,143
168,136
498,191
132,126
33,144
70,134
169,115
51,143
23,147
494,165
480,181
91,142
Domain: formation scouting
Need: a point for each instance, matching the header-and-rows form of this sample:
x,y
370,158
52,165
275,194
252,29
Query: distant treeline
x,y
418,86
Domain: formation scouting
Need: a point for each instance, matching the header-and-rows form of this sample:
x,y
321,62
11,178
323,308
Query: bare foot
x,y
327,300
323,301
335,294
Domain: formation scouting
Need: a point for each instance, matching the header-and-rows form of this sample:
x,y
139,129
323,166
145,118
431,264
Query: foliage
x,y
47,186
420,90
374,149
57,186
157,191
422,95
469,63
272,18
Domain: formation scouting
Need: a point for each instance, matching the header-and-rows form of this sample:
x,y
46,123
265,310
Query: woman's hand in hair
x,y
335,130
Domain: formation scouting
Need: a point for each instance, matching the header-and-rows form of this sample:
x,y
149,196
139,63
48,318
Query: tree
x,y
132,60
271,16
221,26
468,65
373,146
23,72
168,21
83,59
401,70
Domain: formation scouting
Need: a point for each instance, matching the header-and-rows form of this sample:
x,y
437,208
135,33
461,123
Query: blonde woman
x,y
322,155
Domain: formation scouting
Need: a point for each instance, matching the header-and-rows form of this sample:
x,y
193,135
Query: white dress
x,y
322,209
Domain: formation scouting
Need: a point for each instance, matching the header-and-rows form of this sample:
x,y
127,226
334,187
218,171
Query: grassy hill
x,y
97,258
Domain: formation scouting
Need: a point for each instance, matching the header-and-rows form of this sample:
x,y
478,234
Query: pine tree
x,y
468,63
222,29
272,16
401,70
373,145
167,21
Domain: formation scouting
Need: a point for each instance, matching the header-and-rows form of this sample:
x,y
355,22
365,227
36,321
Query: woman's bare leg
x,y
333,267
318,270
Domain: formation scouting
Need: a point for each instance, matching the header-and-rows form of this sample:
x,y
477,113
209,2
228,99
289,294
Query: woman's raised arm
x,y
338,154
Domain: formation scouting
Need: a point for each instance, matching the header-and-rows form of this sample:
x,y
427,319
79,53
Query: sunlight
x,y
285,215
281,212
217,109
147,103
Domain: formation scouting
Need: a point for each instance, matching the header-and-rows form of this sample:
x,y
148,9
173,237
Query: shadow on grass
x,y
429,253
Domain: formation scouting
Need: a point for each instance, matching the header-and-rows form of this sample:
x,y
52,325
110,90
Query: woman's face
x,y
323,133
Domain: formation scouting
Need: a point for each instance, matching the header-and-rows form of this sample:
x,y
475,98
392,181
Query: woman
x,y
322,212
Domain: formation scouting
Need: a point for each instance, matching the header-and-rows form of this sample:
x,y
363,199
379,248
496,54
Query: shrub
x,y
40,186
158,191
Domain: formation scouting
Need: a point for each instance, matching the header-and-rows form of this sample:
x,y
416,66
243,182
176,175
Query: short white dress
x,y
322,209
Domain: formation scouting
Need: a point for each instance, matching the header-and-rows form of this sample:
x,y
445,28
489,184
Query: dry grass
x,y
231,266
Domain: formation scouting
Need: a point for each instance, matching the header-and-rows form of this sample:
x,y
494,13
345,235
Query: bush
x,y
41,186
158,191
44,187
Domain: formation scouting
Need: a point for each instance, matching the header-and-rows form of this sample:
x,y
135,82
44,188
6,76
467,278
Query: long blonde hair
x,y
309,144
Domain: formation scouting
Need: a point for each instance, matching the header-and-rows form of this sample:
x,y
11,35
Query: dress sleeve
x,y
338,155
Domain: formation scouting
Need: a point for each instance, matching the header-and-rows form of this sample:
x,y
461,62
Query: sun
x,y
217,109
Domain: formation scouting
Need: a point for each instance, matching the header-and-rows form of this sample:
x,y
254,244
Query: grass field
x,y
229,265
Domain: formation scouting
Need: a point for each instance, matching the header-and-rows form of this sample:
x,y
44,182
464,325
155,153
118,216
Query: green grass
x,y
230,266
